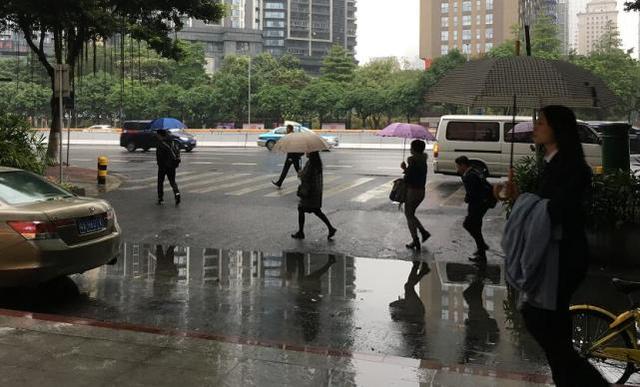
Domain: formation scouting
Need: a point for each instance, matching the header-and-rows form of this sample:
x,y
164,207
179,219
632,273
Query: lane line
x,y
149,179
457,196
189,178
244,164
294,188
214,180
378,192
230,185
344,187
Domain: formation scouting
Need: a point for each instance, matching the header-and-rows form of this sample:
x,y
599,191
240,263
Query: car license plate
x,y
91,224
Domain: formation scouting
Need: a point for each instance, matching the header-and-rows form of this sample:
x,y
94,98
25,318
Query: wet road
x,y
223,264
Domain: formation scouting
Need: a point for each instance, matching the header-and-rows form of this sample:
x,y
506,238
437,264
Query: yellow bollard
x,y
598,170
103,162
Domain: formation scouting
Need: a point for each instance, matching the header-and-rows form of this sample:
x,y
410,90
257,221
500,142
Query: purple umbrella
x,y
405,131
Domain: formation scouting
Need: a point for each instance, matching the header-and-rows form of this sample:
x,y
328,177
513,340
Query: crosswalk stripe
x,y
230,185
250,189
347,186
294,188
378,192
188,178
154,178
214,180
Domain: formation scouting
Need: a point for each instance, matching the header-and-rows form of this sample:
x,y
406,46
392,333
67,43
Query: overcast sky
x,y
391,28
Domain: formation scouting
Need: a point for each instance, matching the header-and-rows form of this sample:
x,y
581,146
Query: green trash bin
x,y
615,147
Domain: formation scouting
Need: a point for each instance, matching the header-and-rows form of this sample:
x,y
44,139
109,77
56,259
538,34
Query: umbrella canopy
x,y
536,83
167,123
302,142
403,130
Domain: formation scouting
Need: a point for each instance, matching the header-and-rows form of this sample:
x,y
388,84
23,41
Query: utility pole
x,y
249,95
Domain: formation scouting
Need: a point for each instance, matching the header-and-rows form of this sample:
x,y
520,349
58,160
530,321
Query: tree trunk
x,y
53,148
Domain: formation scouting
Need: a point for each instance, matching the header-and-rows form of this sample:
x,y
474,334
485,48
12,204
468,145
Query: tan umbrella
x,y
301,143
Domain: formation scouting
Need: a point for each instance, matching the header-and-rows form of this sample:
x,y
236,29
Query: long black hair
x,y
315,163
563,122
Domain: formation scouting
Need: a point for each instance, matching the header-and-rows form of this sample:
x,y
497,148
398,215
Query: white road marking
x,y
378,192
154,178
294,188
344,187
188,178
201,162
244,164
230,185
214,180
338,166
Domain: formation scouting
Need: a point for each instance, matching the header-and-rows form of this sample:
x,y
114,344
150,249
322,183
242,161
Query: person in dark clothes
x,y
292,159
168,159
565,181
415,177
310,194
476,197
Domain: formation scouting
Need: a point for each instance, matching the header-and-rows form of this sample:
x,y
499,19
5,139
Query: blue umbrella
x,y
167,123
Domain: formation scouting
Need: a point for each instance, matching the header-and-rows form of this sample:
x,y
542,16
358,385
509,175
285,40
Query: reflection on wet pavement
x,y
450,312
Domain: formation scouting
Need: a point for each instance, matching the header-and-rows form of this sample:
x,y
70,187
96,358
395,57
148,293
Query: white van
x,y
486,139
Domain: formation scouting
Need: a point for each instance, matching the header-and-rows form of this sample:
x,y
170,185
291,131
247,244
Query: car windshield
x,y
20,187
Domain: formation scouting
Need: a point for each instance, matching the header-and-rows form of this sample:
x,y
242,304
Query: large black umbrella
x,y
522,81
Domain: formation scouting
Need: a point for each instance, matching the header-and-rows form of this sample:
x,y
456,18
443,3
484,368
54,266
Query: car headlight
x,y
184,138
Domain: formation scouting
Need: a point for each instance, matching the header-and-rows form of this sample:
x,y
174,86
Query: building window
x,y
274,6
274,15
466,35
489,5
272,23
455,36
478,20
488,33
466,6
466,48
466,20
455,22
478,34
478,4
242,47
444,49
274,33
444,36
488,46
444,21
444,7
489,19
274,42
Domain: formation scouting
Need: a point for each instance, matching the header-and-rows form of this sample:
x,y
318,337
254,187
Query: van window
x,y
473,131
281,130
136,125
521,138
587,136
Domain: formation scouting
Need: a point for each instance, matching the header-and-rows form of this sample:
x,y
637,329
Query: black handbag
x,y
398,191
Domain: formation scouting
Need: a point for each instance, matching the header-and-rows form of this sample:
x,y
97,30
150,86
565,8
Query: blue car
x,y
270,138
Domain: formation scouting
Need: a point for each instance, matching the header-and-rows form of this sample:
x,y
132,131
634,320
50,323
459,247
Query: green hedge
x,y
21,147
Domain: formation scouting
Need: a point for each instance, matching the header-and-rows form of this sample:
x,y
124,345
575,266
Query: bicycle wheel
x,y
590,325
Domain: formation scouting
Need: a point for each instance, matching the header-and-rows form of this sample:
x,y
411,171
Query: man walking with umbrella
x,y
168,159
292,158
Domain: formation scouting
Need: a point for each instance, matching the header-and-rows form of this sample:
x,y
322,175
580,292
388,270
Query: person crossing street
x,y
292,159
168,159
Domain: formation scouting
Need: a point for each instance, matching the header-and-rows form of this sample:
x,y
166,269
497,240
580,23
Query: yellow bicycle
x,y
609,341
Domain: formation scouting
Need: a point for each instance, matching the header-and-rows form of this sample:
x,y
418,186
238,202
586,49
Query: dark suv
x,y
138,134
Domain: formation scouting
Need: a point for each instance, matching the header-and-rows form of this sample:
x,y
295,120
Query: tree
x,y
544,39
322,97
76,22
632,5
338,65
277,102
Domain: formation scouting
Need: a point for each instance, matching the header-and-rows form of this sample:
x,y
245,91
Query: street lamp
x,y
249,95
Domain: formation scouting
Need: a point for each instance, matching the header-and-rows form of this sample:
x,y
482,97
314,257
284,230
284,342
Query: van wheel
x,y
131,147
146,149
270,145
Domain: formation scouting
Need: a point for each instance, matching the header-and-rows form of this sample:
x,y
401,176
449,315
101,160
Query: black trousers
x,y
552,330
287,165
473,224
170,173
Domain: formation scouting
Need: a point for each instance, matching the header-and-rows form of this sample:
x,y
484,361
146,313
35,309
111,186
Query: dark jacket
x,y
310,189
294,156
416,173
567,185
168,153
477,192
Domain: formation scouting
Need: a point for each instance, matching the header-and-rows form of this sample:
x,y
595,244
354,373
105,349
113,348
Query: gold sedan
x,y
47,232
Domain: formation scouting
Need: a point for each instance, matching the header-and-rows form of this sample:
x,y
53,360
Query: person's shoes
x,y
159,202
332,232
415,245
425,235
279,185
298,235
178,199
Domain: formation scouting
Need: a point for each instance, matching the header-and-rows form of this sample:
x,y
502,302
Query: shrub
x,y
20,146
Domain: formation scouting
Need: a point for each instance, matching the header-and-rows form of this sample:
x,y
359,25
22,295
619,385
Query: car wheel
x,y
131,147
270,145
188,149
145,149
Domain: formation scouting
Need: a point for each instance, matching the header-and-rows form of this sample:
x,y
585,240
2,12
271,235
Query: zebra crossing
x,y
355,189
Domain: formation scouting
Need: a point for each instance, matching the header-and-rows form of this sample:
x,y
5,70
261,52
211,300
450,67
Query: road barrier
x,y
103,163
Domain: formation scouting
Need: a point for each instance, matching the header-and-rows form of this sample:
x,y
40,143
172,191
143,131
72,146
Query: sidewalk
x,y
39,349
85,179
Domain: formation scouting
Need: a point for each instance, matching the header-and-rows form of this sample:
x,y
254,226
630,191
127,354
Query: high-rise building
x,y
473,27
308,28
563,25
593,22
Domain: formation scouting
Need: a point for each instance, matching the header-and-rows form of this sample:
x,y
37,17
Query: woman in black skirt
x,y
310,194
